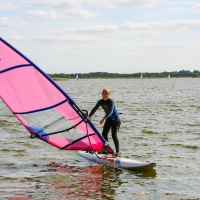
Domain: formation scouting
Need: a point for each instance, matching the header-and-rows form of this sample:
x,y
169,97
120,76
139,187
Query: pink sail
x,y
46,111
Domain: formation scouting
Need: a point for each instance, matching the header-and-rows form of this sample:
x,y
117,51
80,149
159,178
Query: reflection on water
x,y
71,182
144,173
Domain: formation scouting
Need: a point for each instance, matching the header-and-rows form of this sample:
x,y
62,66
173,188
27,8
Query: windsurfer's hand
x,y
89,117
102,121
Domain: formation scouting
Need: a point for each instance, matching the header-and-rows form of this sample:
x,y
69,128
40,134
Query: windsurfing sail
x,y
44,109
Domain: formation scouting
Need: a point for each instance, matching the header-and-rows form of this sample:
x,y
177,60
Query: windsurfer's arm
x,y
94,110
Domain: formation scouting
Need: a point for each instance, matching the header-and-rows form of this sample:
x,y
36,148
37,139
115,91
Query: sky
x,y
116,36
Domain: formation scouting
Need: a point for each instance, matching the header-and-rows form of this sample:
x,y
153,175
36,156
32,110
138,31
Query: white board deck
x,y
116,161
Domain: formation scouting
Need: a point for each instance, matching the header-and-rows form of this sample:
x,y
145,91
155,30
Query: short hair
x,y
106,90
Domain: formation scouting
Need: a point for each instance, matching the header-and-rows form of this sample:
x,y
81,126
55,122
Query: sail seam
x,y
15,67
42,109
68,129
77,141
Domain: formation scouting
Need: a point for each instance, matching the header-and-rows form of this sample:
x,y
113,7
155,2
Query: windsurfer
x,y
111,120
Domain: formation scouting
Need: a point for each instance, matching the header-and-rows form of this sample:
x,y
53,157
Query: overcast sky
x,y
122,36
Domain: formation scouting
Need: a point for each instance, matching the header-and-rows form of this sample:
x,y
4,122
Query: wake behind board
x,y
117,161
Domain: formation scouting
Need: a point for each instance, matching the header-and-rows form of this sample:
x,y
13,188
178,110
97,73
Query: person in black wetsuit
x,y
111,119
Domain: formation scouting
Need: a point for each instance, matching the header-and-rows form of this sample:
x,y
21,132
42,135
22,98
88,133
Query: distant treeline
x,y
174,74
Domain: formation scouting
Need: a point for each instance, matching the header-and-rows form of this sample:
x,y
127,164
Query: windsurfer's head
x,y
106,93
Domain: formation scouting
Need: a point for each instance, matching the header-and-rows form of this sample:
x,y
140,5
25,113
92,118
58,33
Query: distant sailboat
x,y
141,76
169,76
77,77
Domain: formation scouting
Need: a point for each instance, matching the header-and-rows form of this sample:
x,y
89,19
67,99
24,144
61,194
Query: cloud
x,y
139,3
12,22
7,6
125,32
80,13
196,8
62,14
96,3
46,4
144,28
99,28
42,14
127,3
155,27
61,37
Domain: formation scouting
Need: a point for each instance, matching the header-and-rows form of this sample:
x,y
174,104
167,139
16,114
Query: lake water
x,y
160,123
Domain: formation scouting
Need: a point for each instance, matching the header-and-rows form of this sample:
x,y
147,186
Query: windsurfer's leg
x,y
106,130
114,137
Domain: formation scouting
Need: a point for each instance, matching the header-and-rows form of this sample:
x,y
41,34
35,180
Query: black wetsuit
x,y
112,119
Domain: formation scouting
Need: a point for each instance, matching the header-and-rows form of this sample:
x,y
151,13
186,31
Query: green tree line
x,y
174,74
